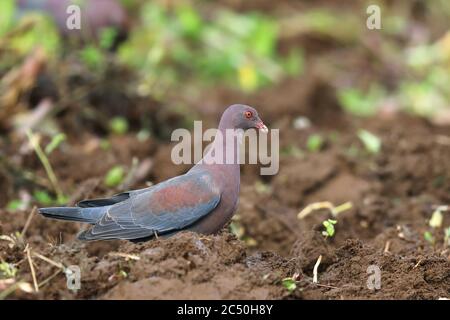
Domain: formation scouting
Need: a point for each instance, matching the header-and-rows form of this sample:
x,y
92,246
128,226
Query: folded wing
x,y
169,206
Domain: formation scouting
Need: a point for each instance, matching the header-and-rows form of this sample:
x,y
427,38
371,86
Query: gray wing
x,y
169,206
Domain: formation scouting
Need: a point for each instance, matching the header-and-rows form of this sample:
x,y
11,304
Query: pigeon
x,y
202,200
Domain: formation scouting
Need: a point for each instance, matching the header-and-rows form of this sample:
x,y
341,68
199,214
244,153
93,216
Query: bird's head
x,y
239,116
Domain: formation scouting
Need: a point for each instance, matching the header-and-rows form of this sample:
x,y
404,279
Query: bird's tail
x,y
88,215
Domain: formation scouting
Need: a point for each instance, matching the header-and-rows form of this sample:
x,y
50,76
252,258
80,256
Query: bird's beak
x,y
262,127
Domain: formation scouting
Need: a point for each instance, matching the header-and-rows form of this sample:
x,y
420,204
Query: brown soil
x,y
393,194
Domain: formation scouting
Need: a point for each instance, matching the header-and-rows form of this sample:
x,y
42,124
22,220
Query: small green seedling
x,y
289,284
371,142
105,144
114,177
437,218
315,142
107,38
43,197
7,270
262,188
237,229
118,125
447,236
428,237
34,142
15,204
54,144
329,227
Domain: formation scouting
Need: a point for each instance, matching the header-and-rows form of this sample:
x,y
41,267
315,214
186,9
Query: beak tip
x,y
264,129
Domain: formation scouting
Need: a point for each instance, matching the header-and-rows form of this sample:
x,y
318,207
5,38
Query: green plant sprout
x,y
437,217
15,204
315,142
43,197
329,227
359,104
447,236
428,236
289,284
55,143
370,141
115,176
7,270
118,125
33,139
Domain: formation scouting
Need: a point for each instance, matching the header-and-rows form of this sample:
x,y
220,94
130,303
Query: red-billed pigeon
x,y
202,200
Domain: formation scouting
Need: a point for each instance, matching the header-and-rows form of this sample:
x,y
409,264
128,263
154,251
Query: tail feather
x,y
88,215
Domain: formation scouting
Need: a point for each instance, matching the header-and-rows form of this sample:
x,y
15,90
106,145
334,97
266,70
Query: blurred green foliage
x,y
114,177
175,45
315,142
371,142
359,103
7,11
118,125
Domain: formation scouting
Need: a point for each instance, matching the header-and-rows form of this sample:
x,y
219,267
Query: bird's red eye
x,y
248,114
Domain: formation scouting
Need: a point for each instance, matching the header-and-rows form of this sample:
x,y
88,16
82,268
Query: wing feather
x,y
168,206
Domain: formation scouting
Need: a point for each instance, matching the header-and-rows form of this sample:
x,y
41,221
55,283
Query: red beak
x,y
261,126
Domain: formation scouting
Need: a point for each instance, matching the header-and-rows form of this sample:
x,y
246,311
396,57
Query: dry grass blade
x,y
50,261
43,283
324,205
33,272
45,162
124,255
28,222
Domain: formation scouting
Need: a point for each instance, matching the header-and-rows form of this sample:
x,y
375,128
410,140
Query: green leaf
x,y
7,9
447,236
428,237
118,125
190,20
43,197
329,227
315,142
294,63
114,177
15,204
7,270
55,142
437,218
92,57
371,142
361,104
289,284
237,229
107,37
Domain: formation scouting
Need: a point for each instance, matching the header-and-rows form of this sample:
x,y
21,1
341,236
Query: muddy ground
x,y
394,194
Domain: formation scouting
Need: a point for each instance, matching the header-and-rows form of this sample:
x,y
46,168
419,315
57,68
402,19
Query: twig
x,y
316,267
43,283
124,255
418,263
387,246
326,286
33,273
27,223
46,163
50,261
